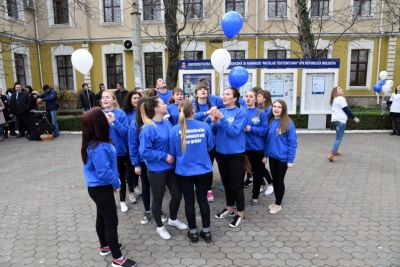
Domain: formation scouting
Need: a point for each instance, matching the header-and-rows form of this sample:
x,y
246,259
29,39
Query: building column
x,y
391,56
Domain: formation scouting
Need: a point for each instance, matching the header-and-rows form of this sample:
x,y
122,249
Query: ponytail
x,y
185,111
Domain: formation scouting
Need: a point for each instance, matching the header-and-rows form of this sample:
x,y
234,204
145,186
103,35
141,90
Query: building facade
x,y
39,36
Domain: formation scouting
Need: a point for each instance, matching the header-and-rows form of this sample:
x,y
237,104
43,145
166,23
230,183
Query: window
x,y
193,55
319,8
321,53
153,68
362,8
114,70
60,11
112,10
276,54
277,8
237,54
151,9
65,73
194,9
12,9
20,69
235,5
358,67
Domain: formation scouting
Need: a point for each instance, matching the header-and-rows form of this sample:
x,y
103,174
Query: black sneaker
x,y
194,238
224,213
206,236
247,183
124,262
104,251
236,221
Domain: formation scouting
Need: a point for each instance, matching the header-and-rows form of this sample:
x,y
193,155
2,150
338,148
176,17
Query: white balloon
x,y
386,88
383,75
82,60
220,60
390,83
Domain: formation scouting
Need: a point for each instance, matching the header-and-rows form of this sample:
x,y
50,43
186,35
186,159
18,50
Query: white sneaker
x,y
178,224
132,198
269,191
124,207
261,188
163,233
137,191
164,217
275,209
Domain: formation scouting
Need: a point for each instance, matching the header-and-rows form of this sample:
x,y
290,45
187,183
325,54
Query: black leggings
x,y
131,177
231,169
158,181
395,121
278,171
145,187
255,157
107,219
201,183
121,164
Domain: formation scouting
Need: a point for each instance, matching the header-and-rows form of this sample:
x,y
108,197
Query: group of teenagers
x,y
173,146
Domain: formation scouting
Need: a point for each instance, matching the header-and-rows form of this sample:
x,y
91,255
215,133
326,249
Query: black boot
x,y
393,133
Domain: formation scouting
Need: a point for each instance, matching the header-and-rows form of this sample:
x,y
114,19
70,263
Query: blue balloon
x,y
381,82
238,77
232,23
378,88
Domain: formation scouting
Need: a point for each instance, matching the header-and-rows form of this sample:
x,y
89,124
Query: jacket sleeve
x,y
210,138
133,144
260,129
50,97
121,124
292,143
146,145
102,165
237,126
172,142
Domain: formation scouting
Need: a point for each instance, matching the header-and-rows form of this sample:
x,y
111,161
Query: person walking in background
x,y
2,119
118,123
228,124
50,98
173,111
256,132
19,105
280,149
394,103
100,170
162,90
97,97
120,94
86,98
340,114
154,148
6,113
13,119
190,143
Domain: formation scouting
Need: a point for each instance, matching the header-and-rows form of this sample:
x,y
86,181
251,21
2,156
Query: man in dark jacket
x,y
86,97
19,105
120,94
50,98
98,95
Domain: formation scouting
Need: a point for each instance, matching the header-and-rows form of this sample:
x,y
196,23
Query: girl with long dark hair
x,y
118,123
154,148
280,149
229,124
173,110
100,170
190,143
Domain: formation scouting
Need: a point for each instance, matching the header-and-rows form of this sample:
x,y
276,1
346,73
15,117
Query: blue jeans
x,y
339,128
54,123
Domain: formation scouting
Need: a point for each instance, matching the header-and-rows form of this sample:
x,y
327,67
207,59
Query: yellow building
x,y
39,36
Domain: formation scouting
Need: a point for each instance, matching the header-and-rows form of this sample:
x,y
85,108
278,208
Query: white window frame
x,y
151,21
50,12
373,10
22,49
153,47
182,6
62,50
277,45
246,8
112,49
355,45
324,44
330,11
103,23
21,11
288,8
193,46
237,45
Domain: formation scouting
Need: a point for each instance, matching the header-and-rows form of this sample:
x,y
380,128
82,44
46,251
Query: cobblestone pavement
x,y
344,213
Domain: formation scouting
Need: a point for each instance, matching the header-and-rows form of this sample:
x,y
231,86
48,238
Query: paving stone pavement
x,y
344,213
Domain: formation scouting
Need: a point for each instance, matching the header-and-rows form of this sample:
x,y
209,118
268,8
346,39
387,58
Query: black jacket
x,y
120,95
87,99
50,98
21,105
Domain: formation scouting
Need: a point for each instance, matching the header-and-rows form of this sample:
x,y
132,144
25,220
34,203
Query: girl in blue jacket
x,y
100,170
130,107
280,149
228,125
154,148
118,123
256,132
176,99
190,143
